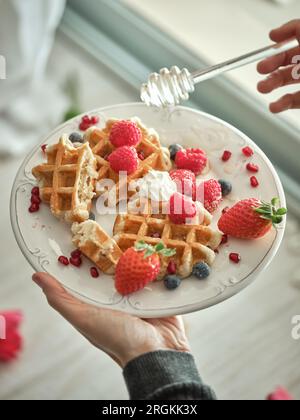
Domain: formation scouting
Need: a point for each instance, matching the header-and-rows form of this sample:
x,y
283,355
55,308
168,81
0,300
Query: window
x,y
136,37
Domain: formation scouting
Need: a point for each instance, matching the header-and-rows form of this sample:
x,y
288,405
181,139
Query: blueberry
x,y
76,138
92,216
201,270
173,149
226,187
172,282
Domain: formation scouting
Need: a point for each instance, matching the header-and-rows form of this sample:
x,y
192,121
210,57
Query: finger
x,y
60,300
278,79
290,101
284,32
82,316
273,63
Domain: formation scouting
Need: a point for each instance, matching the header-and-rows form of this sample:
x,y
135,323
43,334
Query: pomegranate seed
x,y
254,182
35,191
252,167
225,209
226,155
76,261
247,151
85,119
76,254
235,257
84,126
141,156
172,267
94,272
44,147
63,260
155,235
224,239
35,199
94,119
34,208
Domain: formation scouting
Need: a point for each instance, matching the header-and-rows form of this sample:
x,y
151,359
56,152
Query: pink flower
x,y
10,338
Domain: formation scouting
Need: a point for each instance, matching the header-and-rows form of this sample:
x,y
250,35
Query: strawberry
x,y
210,194
185,181
181,208
138,266
251,218
125,159
125,133
193,159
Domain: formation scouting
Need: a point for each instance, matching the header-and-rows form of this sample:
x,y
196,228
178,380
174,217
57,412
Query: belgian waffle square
x,y
97,245
66,180
155,156
193,243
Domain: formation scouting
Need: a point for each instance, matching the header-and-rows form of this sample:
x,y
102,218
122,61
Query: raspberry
x,y
254,182
193,159
171,269
63,260
185,181
226,155
44,147
94,272
235,257
212,193
252,167
125,159
125,133
181,208
247,151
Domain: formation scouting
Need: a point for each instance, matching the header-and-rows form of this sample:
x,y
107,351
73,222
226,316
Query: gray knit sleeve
x,y
165,375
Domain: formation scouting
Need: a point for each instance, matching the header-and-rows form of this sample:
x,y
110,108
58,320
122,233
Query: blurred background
x,y
63,58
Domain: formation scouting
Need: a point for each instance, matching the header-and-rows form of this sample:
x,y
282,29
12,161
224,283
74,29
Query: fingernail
x,y
36,278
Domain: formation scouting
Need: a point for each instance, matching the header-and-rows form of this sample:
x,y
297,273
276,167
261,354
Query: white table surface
x,y
243,347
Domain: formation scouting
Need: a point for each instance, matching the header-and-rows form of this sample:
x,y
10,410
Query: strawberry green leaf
x,y
168,252
275,201
149,252
159,247
281,212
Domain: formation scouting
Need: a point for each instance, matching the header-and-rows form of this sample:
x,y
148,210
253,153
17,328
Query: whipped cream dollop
x,y
156,185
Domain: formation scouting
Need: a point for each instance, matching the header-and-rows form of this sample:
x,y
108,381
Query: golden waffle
x,y
159,210
67,180
95,244
155,156
193,243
